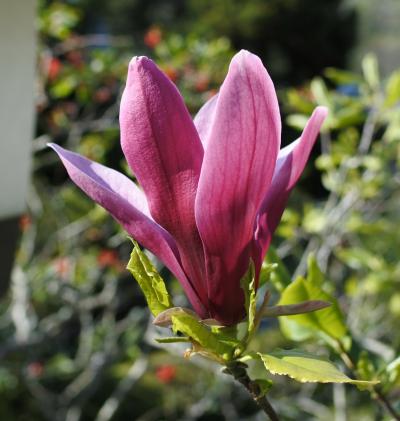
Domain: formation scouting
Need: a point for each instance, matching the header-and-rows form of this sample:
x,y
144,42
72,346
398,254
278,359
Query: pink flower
x,y
213,190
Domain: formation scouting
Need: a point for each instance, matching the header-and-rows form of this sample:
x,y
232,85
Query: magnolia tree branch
x,y
238,371
376,392
111,405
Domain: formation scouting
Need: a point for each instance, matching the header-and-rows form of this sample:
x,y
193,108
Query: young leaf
x,y
149,280
264,385
314,275
320,92
201,334
226,334
297,121
328,321
393,371
305,367
164,319
266,272
248,285
172,339
280,277
393,89
370,69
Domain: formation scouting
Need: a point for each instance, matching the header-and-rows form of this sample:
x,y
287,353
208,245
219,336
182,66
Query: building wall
x,y
17,70
17,65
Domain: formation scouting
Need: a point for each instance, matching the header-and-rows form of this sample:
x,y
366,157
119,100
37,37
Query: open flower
x,y
213,190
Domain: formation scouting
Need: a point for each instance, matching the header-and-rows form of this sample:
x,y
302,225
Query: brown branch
x,y
376,392
385,403
238,371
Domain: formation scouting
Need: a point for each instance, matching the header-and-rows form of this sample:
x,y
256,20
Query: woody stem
x,y
238,371
376,391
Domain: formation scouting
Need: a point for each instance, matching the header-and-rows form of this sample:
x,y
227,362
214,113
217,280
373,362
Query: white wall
x,y
17,66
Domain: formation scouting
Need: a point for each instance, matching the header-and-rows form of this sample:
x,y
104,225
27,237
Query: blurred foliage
x,y
354,231
281,32
76,339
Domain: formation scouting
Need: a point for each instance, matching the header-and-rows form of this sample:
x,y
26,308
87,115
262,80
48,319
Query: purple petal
x,y
204,119
239,162
128,205
291,162
165,153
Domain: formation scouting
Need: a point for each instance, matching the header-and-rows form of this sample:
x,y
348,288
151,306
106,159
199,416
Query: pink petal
x,y
164,151
239,162
204,119
128,205
291,162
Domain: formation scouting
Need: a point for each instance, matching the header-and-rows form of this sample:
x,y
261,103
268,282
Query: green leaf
x,y
305,367
341,77
248,285
315,276
264,385
393,89
64,87
320,92
266,272
370,69
173,339
226,334
299,101
328,321
393,371
280,277
164,319
201,334
297,121
365,367
149,280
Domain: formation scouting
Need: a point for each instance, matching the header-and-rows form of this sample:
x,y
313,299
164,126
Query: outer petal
x,y
164,151
127,204
290,165
239,162
204,119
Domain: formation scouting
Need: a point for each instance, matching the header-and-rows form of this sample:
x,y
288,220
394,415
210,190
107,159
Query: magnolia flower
x,y
212,191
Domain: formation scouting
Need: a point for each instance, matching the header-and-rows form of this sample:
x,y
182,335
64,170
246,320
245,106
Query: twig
x,y
339,400
261,310
383,400
376,391
325,142
238,371
113,402
368,130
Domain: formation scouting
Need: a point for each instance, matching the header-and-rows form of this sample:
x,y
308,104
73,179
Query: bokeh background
x,y
77,341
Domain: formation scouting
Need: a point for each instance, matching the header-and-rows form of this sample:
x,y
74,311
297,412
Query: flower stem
x,y
237,369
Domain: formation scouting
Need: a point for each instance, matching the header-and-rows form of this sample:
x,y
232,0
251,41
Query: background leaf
x,y
329,321
305,367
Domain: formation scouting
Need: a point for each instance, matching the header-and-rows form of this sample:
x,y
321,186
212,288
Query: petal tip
x,y
319,115
56,148
243,55
137,59
322,111
138,63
